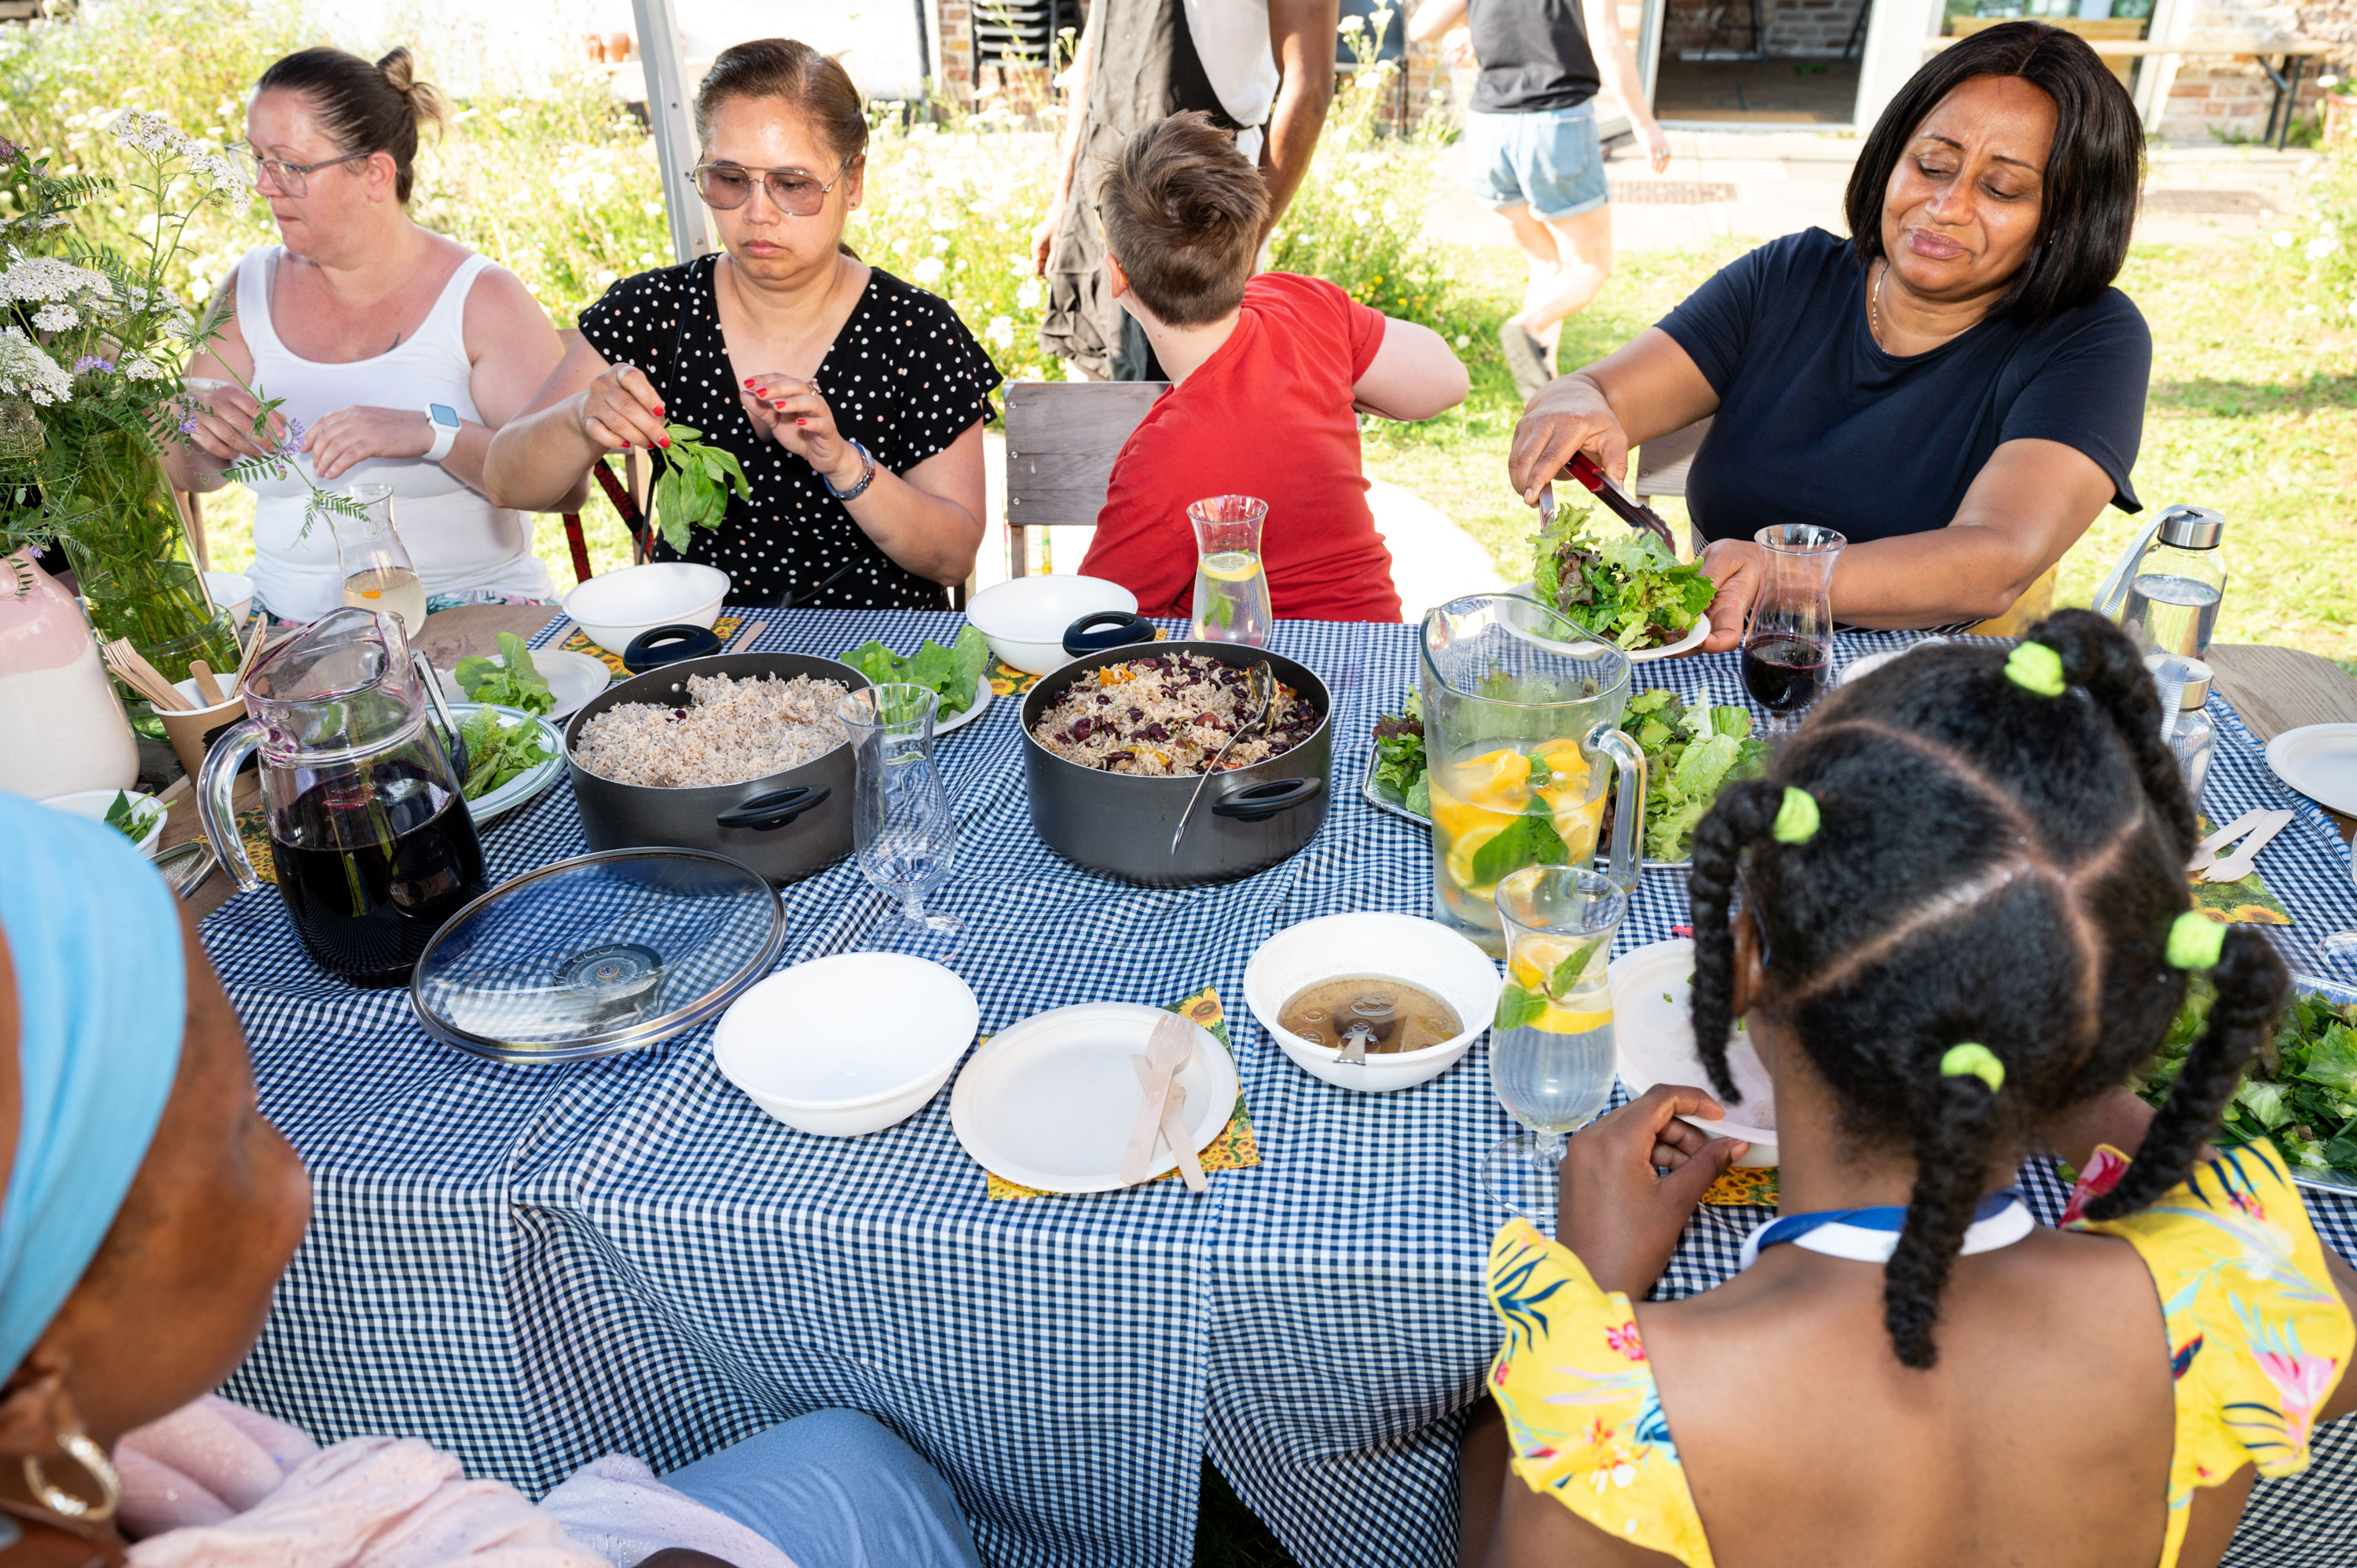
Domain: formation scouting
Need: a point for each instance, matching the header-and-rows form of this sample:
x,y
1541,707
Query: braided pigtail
x,y
2251,981
2099,657
1958,1124
1744,813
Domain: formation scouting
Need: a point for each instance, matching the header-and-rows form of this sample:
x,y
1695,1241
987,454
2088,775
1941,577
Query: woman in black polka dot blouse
x,y
854,401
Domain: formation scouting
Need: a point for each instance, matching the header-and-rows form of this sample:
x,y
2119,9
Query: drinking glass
x,y
1551,1056
1788,646
377,571
901,821
1231,587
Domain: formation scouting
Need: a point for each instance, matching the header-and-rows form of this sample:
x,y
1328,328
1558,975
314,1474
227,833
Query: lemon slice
x,y
1461,853
1563,1021
1231,565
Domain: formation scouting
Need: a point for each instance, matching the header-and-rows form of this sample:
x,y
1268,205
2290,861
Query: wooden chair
x,y
1061,439
2114,29
1662,465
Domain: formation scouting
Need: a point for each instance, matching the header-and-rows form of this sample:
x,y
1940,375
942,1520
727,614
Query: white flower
x,y
32,279
1001,331
55,317
25,371
160,140
142,370
1359,217
1464,341
940,243
1027,296
2283,238
901,246
1353,24
945,224
1390,210
928,271
2321,246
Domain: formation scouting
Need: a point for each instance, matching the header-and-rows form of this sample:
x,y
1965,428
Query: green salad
x,y
2301,1093
497,752
510,680
1624,586
953,672
131,818
1690,753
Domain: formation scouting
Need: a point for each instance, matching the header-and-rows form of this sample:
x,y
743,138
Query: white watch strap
x,y
445,438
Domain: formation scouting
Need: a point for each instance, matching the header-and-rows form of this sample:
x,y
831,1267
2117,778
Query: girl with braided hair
x,y
1963,925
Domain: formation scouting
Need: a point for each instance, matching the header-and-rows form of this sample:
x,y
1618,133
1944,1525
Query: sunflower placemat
x,y
724,628
2244,903
1234,1149
1741,1185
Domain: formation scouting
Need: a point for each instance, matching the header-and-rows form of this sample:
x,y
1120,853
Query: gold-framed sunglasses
x,y
728,187
292,179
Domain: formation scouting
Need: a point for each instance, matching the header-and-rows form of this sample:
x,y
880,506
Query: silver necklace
x,y
1873,299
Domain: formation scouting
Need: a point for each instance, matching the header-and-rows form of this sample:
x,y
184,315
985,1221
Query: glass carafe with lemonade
x,y
1522,709
1231,587
1551,1046
377,571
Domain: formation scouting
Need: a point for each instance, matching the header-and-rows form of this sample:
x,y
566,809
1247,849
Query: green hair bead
x,y
2195,941
1797,818
1974,1061
2034,667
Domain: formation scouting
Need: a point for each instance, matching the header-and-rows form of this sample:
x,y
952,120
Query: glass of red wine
x,y
1788,646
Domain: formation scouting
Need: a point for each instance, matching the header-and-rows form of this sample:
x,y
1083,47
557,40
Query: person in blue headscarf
x,y
149,1210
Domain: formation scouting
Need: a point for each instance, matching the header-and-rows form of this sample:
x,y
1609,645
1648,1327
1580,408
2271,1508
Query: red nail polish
x,y
801,422
749,380
780,407
666,441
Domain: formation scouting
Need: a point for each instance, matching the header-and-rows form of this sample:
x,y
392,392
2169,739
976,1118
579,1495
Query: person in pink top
x,y
148,1212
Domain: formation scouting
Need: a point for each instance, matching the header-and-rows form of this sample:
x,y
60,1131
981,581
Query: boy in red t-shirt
x,y
1267,376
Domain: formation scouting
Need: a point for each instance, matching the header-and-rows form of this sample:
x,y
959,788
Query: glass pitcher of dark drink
x,y
370,842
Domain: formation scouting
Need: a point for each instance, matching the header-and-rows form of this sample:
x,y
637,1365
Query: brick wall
x,y
952,26
2210,101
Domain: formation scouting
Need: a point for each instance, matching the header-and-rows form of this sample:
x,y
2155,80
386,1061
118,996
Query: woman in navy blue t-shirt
x,y
1958,389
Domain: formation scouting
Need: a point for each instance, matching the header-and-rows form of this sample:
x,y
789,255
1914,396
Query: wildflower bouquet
x,y
92,343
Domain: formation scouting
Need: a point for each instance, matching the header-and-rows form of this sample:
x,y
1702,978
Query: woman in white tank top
x,y
392,352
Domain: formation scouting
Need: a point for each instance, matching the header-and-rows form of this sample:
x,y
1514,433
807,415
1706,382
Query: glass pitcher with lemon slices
x,y
1522,714
1231,587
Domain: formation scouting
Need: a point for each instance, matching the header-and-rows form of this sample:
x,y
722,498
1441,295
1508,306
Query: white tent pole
x,y
667,116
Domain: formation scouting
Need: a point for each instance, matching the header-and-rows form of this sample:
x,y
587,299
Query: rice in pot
x,y
1166,717
731,731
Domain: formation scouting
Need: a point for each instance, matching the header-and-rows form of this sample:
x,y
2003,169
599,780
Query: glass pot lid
x,y
598,954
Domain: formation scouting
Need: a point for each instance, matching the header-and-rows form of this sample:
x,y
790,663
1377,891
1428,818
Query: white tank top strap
x,y
256,270
446,322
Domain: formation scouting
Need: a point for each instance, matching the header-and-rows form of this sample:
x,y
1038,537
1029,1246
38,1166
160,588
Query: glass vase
x,y
135,565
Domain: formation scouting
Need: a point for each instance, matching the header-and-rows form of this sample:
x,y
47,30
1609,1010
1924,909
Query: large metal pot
x,y
1120,823
784,826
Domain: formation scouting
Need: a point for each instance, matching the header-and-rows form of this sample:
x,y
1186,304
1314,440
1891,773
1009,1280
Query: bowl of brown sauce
x,y
1372,1002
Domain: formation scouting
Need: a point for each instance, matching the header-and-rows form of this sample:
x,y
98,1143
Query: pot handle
x,y
1100,629
668,645
775,810
214,808
1258,802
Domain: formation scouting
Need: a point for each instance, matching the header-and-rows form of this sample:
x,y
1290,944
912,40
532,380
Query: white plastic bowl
x,y
92,803
232,592
1654,1033
1024,619
1403,947
849,1044
616,607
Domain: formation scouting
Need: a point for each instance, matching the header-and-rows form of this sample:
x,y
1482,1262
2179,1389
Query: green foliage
x,y
1618,582
2302,1091
498,751
511,680
953,673
695,484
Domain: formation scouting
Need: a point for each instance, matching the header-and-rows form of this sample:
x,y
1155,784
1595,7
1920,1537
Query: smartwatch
x,y
444,420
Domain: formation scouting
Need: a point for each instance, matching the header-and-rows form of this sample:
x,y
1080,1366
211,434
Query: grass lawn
x,y
2253,411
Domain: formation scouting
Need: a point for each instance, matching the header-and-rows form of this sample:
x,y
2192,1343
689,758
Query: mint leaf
x,y
1565,978
1527,841
1517,1007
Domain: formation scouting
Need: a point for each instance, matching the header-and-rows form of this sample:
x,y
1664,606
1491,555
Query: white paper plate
x,y
1047,1102
573,679
1687,644
1653,1037
981,694
2320,762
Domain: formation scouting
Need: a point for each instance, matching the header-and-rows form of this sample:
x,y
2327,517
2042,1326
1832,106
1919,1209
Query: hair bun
x,y
425,99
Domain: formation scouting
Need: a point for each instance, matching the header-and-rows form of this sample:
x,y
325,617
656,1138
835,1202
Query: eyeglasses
x,y
728,187
290,179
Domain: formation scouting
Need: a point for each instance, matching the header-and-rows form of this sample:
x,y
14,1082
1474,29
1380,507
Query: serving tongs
x,y
1618,502
1260,683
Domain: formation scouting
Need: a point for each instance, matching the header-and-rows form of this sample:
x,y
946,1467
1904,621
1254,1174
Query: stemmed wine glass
x,y
1788,646
1551,1047
901,819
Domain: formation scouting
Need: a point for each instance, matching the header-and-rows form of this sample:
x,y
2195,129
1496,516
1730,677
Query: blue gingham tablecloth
x,y
535,1266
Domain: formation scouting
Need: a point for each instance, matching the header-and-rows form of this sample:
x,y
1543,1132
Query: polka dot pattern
x,y
904,378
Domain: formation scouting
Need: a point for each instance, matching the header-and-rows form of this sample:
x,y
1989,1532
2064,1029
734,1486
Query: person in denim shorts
x,y
1530,135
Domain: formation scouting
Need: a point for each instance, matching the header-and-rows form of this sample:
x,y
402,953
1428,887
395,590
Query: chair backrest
x,y
1662,462
1061,439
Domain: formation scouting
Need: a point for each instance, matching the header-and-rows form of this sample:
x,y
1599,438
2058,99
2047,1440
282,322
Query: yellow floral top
x,y
2259,1335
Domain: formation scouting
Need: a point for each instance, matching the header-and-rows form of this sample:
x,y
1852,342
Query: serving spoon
x,y
1260,683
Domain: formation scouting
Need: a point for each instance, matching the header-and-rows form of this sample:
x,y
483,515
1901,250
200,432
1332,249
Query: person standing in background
x,y
1530,137
1262,71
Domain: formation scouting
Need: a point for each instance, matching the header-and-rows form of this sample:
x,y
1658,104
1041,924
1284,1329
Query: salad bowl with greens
x,y
1624,587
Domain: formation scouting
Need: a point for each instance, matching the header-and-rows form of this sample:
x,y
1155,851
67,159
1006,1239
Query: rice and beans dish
x,y
1166,717
730,731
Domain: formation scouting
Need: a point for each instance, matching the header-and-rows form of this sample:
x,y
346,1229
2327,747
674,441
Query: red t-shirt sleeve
x,y
1359,326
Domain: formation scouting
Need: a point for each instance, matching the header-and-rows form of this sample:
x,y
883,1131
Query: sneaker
x,y
1525,359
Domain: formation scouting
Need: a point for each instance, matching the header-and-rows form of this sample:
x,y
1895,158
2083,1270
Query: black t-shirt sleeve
x,y
945,380
2089,392
1714,322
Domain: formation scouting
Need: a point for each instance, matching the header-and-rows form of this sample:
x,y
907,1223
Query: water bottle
x,y
2177,584
2185,723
